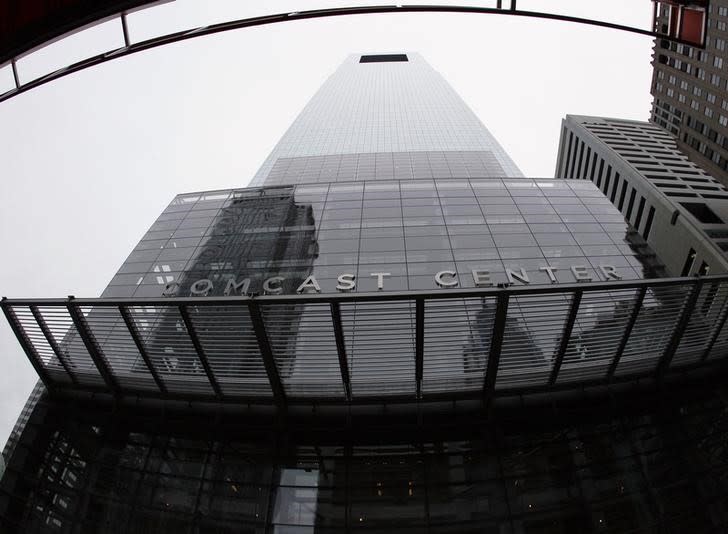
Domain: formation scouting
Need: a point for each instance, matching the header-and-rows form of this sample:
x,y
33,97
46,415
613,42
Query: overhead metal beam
x,y
35,359
566,335
266,352
16,78
689,305
419,344
200,351
134,333
89,341
125,30
53,344
716,332
496,344
341,349
131,48
641,292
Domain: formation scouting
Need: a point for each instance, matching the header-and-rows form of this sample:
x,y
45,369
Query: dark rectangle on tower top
x,y
383,58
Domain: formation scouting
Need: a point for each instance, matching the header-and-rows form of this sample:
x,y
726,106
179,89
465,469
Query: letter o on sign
x,y
201,287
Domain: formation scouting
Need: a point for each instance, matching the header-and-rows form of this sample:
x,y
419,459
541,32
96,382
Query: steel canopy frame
x,y
670,326
503,7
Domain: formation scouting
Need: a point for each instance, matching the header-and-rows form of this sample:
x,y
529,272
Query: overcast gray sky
x,y
89,161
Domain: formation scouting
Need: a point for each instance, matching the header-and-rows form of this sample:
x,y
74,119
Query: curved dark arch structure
x,y
41,30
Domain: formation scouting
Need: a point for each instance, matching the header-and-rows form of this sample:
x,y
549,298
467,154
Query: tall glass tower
x,y
390,330
384,117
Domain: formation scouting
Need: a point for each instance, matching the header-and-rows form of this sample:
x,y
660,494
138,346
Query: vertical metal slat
x,y
627,332
714,335
496,343
52,342
200,351
134,332
566,335
79,321
341,349
267,353
33,356
691,299
419,343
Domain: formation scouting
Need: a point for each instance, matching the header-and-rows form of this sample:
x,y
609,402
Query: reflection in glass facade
x,y
632,465
410,229
386,182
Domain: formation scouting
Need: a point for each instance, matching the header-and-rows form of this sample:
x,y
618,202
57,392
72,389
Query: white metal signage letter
x,y
452,282
347,282
610,272
268,288
233,287
380,279
309,283
521,277
201,287
580,273
550,271
170,289
482,278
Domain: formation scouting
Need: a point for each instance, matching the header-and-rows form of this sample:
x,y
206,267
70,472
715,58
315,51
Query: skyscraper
x,y
395,118
690,89
392,329
675,206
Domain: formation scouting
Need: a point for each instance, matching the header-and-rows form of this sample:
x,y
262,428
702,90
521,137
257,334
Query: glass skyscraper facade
x,y
386,185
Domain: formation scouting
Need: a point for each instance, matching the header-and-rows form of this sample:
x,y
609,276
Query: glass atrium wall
x,y
410,229
655,463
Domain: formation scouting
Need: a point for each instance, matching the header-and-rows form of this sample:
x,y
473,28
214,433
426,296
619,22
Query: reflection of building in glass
x,y
659,463
254,236
391,403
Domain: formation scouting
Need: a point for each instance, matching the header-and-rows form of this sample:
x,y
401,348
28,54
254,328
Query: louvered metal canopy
x,y
387,347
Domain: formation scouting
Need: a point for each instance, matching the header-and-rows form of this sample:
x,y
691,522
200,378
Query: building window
x,y
681,98
695,104
708,112
723,120
607,179
640,210
622,195
648,223
615,188
697,91
711,98
702,212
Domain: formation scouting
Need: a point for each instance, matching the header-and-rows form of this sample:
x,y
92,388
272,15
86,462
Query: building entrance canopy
x,y
375,347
